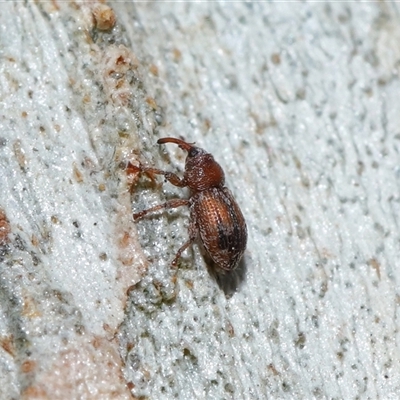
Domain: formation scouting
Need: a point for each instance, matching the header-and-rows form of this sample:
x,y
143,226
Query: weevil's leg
x,y
169,176
168,204
192,238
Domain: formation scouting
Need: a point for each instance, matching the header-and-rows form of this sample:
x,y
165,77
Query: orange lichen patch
x,y
7,343
104,17
96,342
108,329
5,228
118,64
49,7
125,240
151,102
35,240
126,243
129,254
130,346
55,5
189,283
153,69
276,58
28,366
82,367
207,124
54,219
177,55
87,98
77,174
271,368
374,263
88,163
29,308
34,392
230,329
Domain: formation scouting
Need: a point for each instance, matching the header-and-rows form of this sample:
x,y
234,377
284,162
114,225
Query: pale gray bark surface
x,y
297,102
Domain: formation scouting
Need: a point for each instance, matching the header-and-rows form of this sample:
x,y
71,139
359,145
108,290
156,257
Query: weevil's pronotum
x,y
214,214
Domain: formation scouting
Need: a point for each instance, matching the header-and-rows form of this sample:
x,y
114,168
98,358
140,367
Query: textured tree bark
x,y
297,102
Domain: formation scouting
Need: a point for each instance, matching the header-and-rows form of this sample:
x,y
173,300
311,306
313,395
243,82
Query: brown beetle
x,y
214,213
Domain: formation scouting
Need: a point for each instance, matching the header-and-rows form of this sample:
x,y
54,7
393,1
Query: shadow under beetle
x,y
214,213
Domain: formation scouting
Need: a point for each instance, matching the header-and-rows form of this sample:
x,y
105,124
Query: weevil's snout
x,y
201,170
192,151
181,143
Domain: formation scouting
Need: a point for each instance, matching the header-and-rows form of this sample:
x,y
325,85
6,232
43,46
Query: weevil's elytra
x,y
214,214
221,226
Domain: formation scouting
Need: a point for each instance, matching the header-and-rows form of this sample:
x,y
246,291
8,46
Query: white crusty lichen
x,y
297,102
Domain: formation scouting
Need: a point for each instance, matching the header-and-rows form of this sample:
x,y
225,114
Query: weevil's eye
x,y
193,152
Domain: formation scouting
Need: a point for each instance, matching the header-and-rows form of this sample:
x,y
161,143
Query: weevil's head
x,y
202,172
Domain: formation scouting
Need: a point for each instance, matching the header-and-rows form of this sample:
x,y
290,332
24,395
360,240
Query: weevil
x,y
215,216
